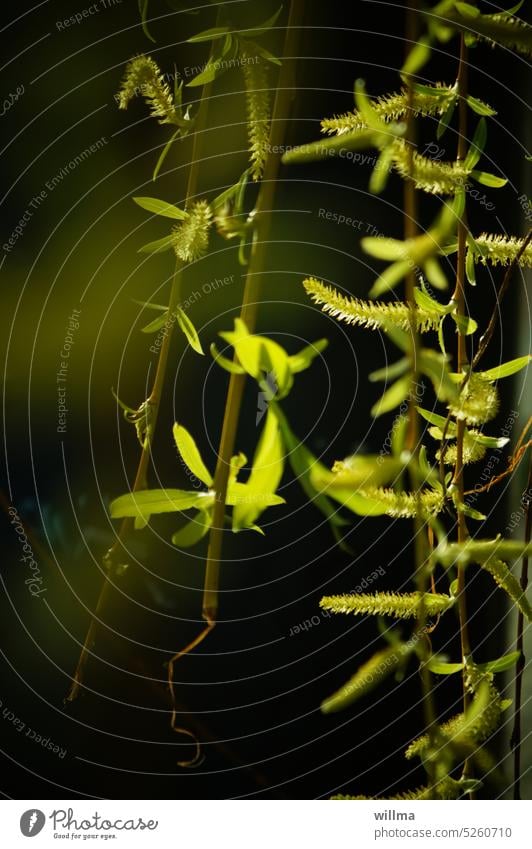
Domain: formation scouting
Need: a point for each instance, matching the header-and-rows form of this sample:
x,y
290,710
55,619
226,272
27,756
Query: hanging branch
x,y
422,556
459,297
515,740
114,556
248,314
487,336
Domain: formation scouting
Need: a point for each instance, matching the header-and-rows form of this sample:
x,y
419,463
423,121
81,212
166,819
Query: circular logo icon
x,y
32,822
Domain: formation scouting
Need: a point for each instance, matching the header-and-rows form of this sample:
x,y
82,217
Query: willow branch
x,y
116,553
248,313
515,741
485,339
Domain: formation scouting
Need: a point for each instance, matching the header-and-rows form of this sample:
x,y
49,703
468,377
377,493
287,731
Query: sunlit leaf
x,y
506,369
393,397
160,207
266,472
194,530
189,330
159,245
190,454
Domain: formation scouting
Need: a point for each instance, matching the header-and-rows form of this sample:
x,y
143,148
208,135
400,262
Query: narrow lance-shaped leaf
x,y
509,583
266,472
190,454
189,330
193,531
383,664
160,207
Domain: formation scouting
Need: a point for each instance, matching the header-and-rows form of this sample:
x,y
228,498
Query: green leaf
x,y
488,441
241,493
465,325
506,369
424,301
478,144
436,368
467,9
446,118
261,51
470,511
225,362
164,153
143,9
470,268
233,192
215,67
390,372
156,324
418,56
189,330
159,245
501,664
160,207
149,305
369,676
439,421
209,35
509,583
361,470
146,502
260,357
383,248
389,278
479,107
305,357
194,530
480,550
440,667
266,472
304,463
260,29
326,148
190,454
441,337
393,397
487,179
381,171
435,274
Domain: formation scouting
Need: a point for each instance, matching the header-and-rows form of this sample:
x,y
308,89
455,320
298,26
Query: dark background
x,y
251,692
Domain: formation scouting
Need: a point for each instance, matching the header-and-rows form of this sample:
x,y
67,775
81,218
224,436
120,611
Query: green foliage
x,y
464,732
497,29
266,472
249,500
372,673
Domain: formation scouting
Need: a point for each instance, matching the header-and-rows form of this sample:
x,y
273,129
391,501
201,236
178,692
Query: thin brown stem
x,y
250,300
485,339
462,361
515,741
116,553
422,555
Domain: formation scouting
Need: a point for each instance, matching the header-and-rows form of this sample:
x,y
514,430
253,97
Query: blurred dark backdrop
x,y
252,691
